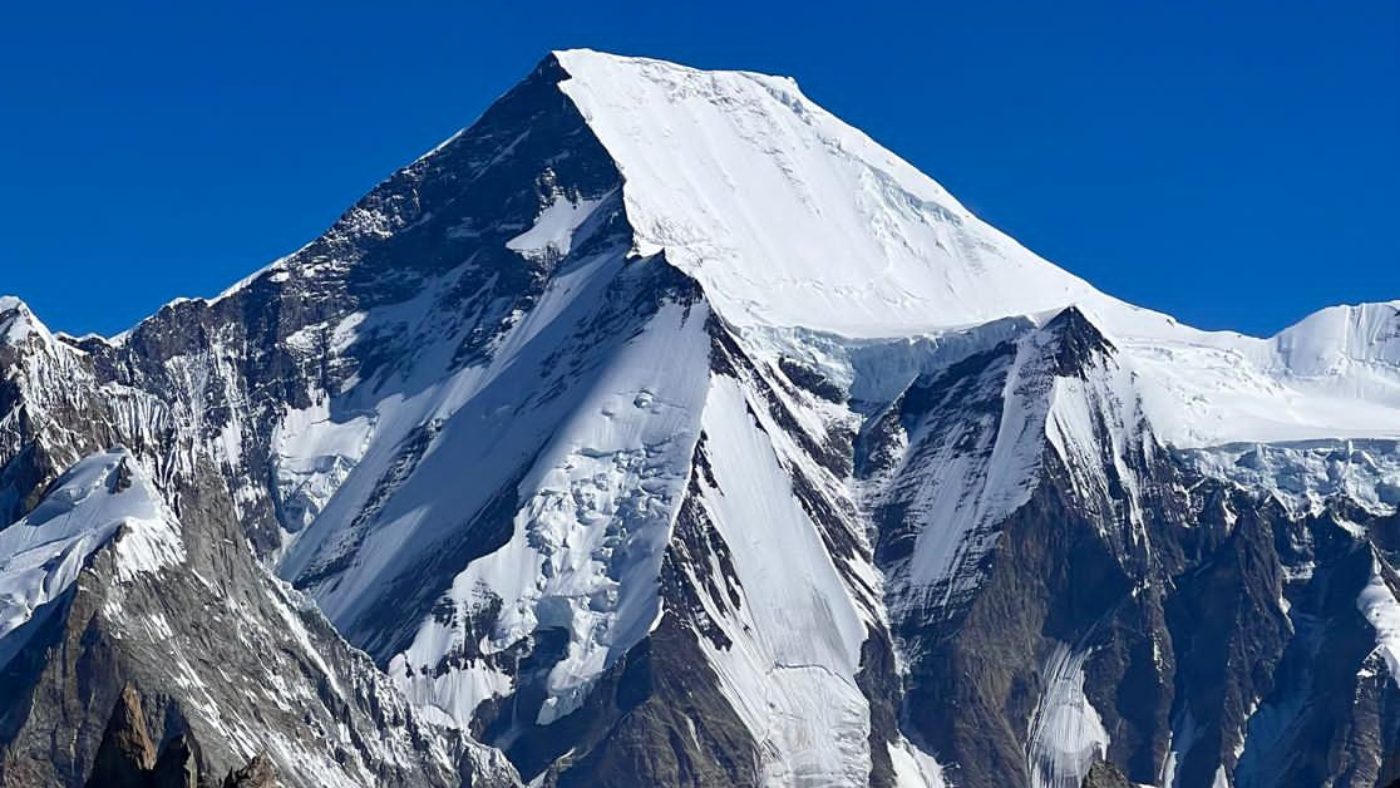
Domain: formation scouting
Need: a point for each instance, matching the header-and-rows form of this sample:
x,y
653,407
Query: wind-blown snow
x,y
103,500
789,216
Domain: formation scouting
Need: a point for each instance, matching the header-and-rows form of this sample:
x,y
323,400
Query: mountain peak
x,y
790,217
585,63
1331,339
660,427
1077,341
18,323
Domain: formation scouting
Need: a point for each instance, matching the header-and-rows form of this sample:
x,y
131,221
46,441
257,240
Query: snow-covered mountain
x,y
659,428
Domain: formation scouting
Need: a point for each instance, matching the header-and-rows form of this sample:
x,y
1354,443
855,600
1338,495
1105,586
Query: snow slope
x,y
585,547
1066,734
103,500
796,635
17,323
1377,603
790,218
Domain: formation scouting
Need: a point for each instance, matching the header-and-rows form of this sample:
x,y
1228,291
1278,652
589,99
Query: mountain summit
x,y
659,428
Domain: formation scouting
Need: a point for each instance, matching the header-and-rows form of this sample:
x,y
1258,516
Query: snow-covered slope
x,y
104,498
17,323
791,218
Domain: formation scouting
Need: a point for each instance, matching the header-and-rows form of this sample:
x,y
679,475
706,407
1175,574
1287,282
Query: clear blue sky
x,y
1235,164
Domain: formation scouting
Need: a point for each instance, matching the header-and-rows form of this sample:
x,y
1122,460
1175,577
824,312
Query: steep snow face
x,y
104,499
584,548
18,324
795,635
1377,603
792,219
972,460
313,454
915,769
1333,341
789,216
964,445
1065,733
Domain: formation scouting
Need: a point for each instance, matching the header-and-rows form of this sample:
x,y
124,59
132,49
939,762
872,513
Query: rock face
x,y
126,757
661,429
1105,775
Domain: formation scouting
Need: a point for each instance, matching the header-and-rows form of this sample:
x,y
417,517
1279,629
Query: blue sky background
x,y
1234,164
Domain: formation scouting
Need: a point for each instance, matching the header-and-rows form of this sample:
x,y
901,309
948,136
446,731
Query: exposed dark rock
x,y
126,756
811,380
177,766
259,773
1105,775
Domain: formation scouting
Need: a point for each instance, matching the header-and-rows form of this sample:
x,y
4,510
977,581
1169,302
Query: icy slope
x,y
104,499
792,219
1334,340
600,477
17,323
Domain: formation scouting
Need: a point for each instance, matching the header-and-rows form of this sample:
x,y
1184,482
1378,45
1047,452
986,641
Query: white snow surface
x,y
790,673
1304,476
914,768
1066,733
553,231
42,554
18,324
587,544
314,454
788,215
791,218
1378,604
